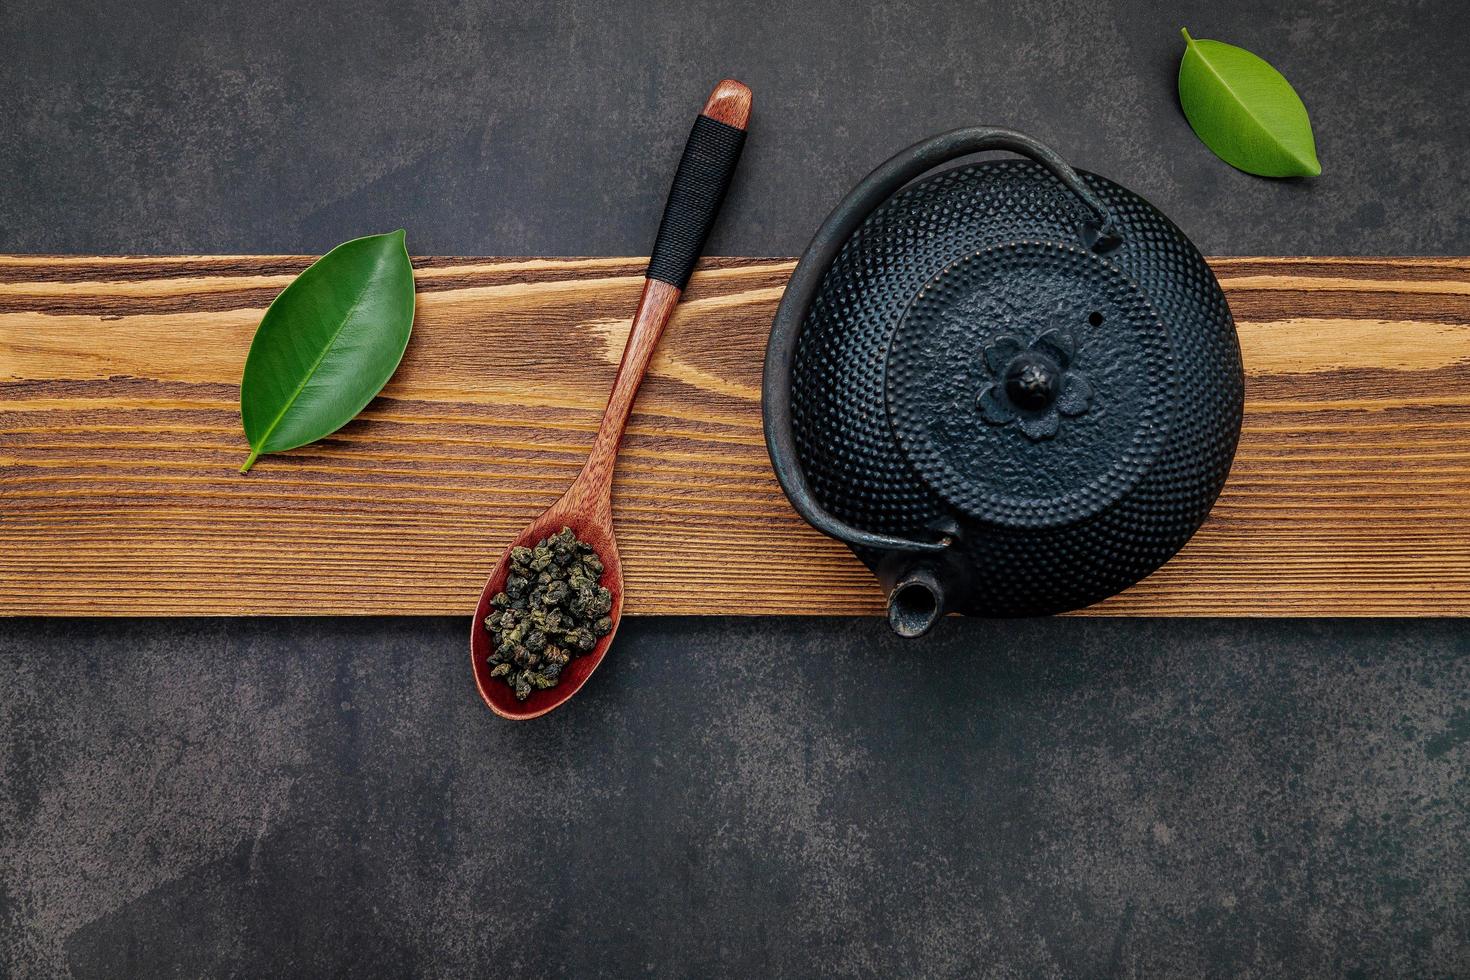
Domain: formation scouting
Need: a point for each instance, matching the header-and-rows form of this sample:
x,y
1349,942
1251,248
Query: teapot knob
x,y
1033,381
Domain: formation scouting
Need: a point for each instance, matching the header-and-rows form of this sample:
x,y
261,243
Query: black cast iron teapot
x,y
1012,388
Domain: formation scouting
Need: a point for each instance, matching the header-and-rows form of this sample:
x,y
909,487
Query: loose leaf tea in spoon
x,y
327,345
1245,111
553,608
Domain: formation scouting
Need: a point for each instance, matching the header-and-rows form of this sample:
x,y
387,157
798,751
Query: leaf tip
x,y
1307,164
1313,165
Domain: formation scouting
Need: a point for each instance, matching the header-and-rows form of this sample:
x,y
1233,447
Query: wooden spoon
x,y
586,507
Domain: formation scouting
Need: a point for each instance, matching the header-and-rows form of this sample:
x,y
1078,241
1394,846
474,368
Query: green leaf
x,y
1245,111
327,345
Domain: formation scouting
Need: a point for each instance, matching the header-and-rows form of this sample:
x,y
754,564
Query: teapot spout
x,y
916,602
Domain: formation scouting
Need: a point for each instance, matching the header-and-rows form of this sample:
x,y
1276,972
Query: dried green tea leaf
x,y
1245,111
546,617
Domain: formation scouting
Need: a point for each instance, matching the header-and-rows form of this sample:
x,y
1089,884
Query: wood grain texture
x,y
120,436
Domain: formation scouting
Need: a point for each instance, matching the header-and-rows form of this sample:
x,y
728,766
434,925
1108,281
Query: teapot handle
x,y
1098,234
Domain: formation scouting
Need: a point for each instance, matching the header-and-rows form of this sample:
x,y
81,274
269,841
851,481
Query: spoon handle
x,y
699,186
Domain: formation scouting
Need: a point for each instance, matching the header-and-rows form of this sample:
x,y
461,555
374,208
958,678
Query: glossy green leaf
x,y
1245,111
327,345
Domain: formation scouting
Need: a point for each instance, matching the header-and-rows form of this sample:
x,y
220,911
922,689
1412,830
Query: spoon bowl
x,y
592,524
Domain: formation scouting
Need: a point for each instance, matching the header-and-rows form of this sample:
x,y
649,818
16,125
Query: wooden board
x,y
120,439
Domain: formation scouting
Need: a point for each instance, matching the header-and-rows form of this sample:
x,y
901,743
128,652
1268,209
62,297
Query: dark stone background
x,y
741,797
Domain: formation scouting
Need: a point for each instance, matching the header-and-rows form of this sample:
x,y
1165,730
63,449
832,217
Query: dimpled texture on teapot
x,y
859,470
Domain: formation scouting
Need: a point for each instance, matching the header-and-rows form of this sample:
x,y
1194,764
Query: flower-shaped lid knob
x,y
1034,384
1030,384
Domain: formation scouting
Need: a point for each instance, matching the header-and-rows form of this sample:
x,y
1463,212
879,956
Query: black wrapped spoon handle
x,y
700,183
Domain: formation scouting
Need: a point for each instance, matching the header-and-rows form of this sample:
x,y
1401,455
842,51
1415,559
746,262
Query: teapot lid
x,y
1030,384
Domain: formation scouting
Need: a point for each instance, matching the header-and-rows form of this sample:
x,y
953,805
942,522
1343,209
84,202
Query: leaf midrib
x,y
311,371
